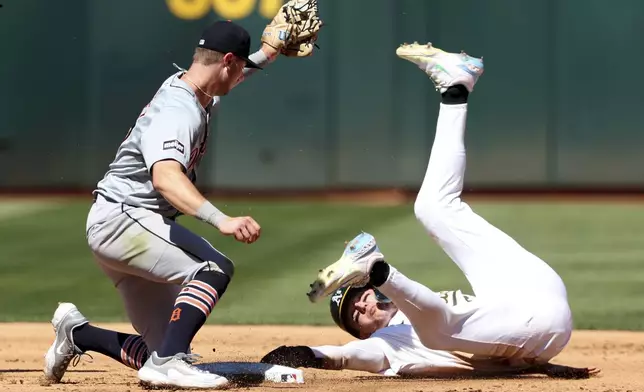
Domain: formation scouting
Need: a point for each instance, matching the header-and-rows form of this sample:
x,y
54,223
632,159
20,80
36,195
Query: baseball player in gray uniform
x,y
169,278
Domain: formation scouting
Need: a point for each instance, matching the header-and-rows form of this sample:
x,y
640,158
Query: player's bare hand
x,y
243,228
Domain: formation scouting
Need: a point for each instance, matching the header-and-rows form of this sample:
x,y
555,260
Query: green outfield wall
x,y
560,103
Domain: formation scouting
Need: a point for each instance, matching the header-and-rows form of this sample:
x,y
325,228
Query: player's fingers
x,y
255,225
253,234
252,227
244,232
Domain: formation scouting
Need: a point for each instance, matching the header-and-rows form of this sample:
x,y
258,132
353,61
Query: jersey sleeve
x,y
168,136
364,355
407,355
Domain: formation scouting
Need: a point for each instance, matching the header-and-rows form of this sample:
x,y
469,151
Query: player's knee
x,y
219,262
224,266
211,282
430,215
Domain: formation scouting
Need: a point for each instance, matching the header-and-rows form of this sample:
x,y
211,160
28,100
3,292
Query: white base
x,y
253,372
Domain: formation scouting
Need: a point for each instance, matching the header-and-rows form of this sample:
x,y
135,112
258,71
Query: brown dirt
x,y
620,355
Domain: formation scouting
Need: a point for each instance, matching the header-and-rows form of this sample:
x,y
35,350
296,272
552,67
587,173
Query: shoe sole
x,y
50,358
147,385
327,281
150,379
410,51
63,310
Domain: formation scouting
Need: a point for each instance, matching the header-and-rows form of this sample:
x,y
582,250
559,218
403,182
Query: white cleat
x,y
178,372
63,350
444,69
353,268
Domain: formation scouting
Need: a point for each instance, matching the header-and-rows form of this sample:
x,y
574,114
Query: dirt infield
x,y
620,355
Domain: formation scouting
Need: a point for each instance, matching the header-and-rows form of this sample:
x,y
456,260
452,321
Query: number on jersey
x,y
455,297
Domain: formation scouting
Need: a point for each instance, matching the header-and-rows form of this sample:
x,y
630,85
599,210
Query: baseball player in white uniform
x,y
517,320
169,278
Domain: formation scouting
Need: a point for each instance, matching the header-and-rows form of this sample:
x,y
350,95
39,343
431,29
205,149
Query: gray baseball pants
x,y
148,257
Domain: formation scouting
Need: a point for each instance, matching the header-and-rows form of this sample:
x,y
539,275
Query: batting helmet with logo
x,y
340,304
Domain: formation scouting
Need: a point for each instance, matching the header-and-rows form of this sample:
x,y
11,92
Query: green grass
x,y
597,248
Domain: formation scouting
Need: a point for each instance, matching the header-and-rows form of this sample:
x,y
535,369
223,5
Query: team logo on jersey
x,y
197,154
173,145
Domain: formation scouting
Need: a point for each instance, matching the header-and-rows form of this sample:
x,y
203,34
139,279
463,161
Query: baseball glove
x,y
294,30
564,372
292,356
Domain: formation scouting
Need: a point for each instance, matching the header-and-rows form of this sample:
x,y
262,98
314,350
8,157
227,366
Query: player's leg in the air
x,y
490,259
518,295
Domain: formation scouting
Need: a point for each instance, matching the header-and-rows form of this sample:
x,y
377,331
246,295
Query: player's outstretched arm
x,y
264,56
292,32
359,355
169,179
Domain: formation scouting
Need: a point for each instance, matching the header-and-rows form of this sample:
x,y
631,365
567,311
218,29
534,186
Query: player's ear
x,y
228,59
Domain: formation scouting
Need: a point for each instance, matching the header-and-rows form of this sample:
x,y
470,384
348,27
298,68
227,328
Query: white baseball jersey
x,y
396,349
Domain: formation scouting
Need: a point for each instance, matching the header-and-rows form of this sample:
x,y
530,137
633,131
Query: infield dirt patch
x,y
620,355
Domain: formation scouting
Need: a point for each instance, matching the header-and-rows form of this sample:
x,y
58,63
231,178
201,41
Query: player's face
x,y
369,315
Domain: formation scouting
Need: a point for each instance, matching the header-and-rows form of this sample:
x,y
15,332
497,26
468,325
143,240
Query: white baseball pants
x,y
521,310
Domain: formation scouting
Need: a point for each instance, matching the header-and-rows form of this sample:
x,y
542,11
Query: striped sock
x,y
134,352
128,349
192,307
199,294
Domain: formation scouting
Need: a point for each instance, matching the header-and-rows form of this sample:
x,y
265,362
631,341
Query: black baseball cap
x,y
228,37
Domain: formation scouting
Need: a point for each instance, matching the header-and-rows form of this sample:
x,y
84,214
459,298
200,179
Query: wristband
x,y
210,214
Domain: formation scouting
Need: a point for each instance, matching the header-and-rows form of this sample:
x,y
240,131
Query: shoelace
x,y
76,357
191,359
188,358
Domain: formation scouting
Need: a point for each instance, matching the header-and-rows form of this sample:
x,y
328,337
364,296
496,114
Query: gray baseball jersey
x,y
173,125
146,254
